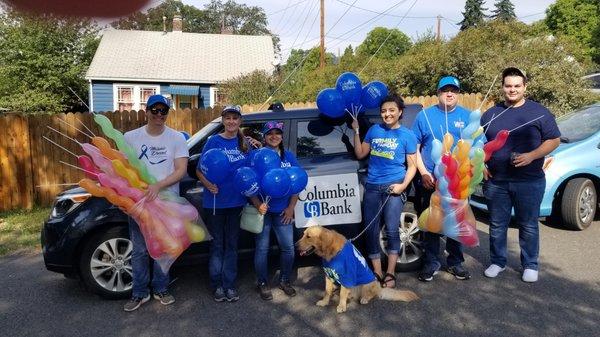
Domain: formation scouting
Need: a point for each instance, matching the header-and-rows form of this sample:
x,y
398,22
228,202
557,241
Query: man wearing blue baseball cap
x,y
432,123
165,154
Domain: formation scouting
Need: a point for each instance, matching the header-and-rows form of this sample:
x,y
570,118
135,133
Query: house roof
x,y
130,55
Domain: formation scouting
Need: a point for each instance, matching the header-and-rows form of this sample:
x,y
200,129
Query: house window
x,y
145,93
133,97
217,97
124,98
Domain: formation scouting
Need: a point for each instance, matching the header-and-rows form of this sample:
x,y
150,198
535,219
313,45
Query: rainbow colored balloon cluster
x,y
168,223
458,170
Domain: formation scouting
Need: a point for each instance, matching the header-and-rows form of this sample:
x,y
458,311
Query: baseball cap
x,y
448,80
155,99
512,71
232,108
272,125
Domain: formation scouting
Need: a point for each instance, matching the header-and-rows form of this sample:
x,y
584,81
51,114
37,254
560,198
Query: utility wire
x,y
384,41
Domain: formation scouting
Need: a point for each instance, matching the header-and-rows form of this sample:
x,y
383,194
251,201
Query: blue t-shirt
x,y
277,205
522,140
348,267
457,120
228,195
389,148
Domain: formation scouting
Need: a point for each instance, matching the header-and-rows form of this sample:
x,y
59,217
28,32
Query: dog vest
x,y
348,267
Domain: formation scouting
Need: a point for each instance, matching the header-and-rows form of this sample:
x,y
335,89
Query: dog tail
x,y
390,294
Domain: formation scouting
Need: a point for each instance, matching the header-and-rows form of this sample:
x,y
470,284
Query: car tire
x,y
105,266
410,257
578,204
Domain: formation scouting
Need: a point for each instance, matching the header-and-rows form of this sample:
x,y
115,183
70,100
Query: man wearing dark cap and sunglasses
x,y
164,152
515,178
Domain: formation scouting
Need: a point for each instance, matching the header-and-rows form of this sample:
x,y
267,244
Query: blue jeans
x,y
224,227
140,264
431,241
285,239
525,197
375,195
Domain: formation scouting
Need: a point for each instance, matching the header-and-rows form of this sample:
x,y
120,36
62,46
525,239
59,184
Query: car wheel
x,y
578,204
410,256
105,264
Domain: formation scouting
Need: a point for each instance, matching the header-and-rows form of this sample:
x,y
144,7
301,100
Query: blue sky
x,y
298,25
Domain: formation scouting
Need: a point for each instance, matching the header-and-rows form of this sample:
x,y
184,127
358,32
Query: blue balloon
x,y
298,179
246,181
276,183
349,85
214,165
372,94
185,135
331,103
264,160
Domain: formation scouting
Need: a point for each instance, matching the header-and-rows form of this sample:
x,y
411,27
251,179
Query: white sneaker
x,y
493,270
530,275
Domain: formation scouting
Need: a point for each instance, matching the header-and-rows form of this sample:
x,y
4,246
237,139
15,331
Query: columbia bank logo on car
x,y
329,200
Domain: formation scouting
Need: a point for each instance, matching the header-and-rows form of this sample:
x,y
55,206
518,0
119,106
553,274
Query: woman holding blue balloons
x,y
279,216
392,165
222,155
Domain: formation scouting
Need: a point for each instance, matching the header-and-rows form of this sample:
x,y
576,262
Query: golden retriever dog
x,y
329,244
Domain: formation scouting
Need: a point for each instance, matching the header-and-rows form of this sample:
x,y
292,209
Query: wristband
x,y
357,132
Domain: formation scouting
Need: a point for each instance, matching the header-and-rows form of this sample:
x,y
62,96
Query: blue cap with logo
x,y
156,99
448,80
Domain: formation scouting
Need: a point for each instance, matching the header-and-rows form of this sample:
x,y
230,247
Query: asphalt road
x,y
565,301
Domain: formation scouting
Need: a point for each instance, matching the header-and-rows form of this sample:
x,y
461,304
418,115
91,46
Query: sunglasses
x,y
162,111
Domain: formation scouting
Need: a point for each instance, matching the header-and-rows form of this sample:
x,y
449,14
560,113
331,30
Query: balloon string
x,y
48,139
487,125
62,134
429,124
446,113
60,120
488,92
80,122
214,203
522,125
79,168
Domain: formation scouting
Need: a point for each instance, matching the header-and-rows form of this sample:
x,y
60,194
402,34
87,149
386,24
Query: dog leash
x,y
402,196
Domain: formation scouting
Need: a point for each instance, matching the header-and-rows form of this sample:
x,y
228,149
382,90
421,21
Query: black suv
x,y
86,237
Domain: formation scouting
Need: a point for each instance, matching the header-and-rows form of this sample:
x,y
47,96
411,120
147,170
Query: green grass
x,y
20,230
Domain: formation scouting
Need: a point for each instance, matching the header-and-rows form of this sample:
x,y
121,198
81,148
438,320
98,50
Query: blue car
x,y
572,172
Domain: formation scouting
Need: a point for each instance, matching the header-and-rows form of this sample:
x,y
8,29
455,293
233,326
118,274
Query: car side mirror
x,y
192,164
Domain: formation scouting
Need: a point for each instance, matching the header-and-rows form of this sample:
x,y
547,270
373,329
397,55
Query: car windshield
x,y
580,124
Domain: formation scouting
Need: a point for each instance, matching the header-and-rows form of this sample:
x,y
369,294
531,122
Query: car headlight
x,y
67,203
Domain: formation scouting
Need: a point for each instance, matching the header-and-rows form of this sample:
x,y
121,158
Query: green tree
x,y
473,15
240,18
387,43
504,11
41,57
578,19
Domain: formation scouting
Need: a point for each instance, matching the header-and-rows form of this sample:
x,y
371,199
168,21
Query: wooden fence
x,y
31,172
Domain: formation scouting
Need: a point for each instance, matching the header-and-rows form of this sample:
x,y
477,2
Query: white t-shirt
x,y
158,153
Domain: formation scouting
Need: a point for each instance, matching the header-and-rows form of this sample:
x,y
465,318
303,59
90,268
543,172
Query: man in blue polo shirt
x,y
432,123
515,178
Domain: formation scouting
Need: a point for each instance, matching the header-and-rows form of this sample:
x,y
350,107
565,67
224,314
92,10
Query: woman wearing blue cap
x,y
279,216
223,206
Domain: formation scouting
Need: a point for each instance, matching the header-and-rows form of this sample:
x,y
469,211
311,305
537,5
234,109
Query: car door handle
x,y
363,170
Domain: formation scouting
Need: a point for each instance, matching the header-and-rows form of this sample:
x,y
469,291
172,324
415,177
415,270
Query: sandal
x,y
387,278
